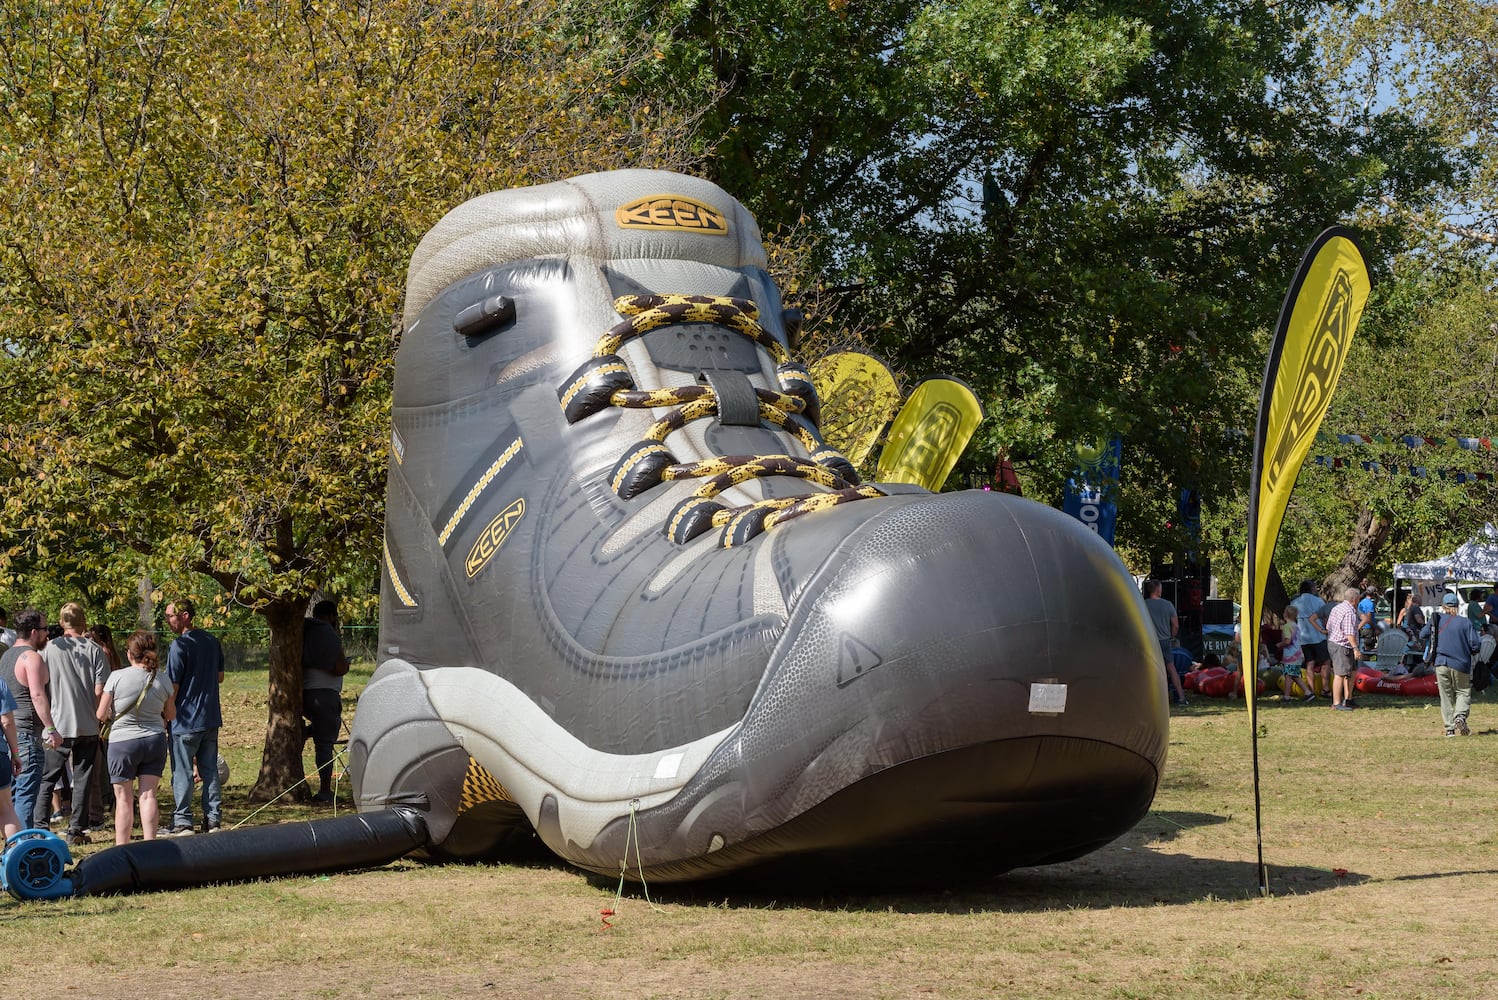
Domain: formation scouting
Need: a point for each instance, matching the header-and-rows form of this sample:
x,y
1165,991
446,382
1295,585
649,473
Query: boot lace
x,y
604,380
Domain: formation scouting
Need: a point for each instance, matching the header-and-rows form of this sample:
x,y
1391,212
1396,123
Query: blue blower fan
x,y
32,866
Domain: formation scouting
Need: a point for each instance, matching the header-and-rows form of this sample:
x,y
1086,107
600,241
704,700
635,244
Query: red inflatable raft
x,y
1370,681
1217,682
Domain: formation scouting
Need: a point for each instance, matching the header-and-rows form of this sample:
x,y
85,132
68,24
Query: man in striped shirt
x,y
1342,640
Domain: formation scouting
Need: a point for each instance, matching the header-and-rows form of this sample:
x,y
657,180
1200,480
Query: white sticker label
x,y
668,765
1047,699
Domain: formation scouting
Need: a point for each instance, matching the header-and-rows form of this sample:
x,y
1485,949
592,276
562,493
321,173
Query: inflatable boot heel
x,y
401,754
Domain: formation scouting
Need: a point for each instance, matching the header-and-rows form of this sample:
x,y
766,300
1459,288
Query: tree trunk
x,y
281,761
1362,555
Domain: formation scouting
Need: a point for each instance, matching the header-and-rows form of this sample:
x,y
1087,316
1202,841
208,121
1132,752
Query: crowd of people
x,y
75,717
1322,643
1447,643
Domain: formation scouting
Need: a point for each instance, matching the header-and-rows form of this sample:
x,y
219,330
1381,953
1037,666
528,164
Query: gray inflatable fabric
x,y
633,605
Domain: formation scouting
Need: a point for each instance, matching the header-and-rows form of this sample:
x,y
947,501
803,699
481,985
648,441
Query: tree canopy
x,y
207,210
1422,367
1088,211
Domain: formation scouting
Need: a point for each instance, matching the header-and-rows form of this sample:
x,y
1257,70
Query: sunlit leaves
x,y
207,211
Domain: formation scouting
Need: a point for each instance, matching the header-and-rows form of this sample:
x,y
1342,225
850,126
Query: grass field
x,y
1379,834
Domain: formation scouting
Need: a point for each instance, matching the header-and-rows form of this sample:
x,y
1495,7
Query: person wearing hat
x,y
1455,642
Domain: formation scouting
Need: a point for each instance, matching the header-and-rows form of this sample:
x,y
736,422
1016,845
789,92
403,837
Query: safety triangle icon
x,y
854,659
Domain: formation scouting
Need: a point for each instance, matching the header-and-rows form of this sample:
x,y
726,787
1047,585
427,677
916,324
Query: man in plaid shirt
x,y
1342,640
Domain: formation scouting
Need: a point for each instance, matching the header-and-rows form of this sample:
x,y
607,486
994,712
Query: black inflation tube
x,y
342,843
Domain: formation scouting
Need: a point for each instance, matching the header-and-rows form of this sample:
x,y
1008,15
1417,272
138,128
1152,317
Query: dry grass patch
x,y
1169,910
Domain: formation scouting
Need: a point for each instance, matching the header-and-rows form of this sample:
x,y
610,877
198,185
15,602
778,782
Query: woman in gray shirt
x,y
139,700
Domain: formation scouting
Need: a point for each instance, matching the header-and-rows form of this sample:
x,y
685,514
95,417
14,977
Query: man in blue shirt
x,y
1455,642
1312,611
1367,627
195,666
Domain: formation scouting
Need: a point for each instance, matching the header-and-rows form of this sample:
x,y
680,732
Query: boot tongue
x,y
731,364
738,406
692,347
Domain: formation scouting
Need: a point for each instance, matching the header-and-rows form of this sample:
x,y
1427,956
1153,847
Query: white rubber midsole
x,y
539,758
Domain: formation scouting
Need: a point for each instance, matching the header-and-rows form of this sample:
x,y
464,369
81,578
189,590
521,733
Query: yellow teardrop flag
x,y
1315,329
930,433
859,396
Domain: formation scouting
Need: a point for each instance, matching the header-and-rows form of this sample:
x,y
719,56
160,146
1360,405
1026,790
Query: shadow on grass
x,y
1201,705
1112,877
1116,875
1167,824
1457,874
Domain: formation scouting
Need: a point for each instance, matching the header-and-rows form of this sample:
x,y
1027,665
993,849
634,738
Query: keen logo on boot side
x,y
493,537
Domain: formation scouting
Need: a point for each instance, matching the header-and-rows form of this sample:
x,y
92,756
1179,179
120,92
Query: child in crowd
x,y
1233,659
1291,657
11,763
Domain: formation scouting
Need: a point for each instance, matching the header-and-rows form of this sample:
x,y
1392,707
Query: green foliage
x,y
205,212
1435,61
1428,367
1090,212
1424,359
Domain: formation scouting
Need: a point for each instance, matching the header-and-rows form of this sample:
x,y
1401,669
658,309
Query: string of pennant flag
x,y
1408,440
1419,471
1412,442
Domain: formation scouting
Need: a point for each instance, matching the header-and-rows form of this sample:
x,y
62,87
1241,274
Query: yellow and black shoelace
x,y
604,380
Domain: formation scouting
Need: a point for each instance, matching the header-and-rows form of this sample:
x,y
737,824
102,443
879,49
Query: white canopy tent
x,y
1474,559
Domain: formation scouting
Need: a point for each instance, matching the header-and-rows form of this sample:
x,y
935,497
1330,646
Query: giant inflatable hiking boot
x,y
634,604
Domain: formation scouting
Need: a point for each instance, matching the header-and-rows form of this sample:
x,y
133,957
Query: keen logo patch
x,y
671,211
1326,347
492,537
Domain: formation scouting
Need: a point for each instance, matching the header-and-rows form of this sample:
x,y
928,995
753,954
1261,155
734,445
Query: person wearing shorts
x,y
1167,625
1311,635
1291,656
1342,639
139,701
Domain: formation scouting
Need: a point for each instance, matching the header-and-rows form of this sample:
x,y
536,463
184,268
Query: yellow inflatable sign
x,y
930,433
859,396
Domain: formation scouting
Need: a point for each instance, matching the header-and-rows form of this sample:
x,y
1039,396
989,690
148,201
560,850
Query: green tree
x,y
1438,60
1425,365
1088,211
1423,362
207,210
